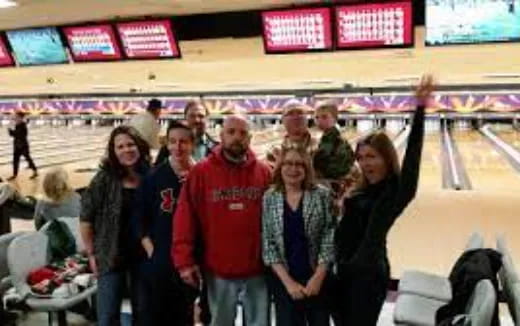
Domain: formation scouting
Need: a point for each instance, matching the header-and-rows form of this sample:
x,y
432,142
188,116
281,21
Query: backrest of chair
x,y
514,309
25,254
476,241
73,224
508,278
5,241
482,303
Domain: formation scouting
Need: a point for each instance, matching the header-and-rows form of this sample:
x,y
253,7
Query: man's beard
x,y
236,151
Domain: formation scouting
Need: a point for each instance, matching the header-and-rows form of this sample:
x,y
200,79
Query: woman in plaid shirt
x,y
298,232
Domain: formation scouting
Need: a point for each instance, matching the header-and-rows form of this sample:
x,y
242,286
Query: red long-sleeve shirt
x,y
221,205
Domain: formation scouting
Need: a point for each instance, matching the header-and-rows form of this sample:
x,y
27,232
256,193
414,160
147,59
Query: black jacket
x,y
19,134
360,239
156,201
470,268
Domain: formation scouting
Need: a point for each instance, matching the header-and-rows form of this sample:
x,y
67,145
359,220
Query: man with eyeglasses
x,y
294,119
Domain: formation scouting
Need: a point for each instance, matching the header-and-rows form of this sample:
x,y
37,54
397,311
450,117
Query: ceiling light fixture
x,y
7,4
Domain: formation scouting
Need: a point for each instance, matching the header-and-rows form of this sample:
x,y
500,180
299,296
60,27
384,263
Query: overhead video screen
x,y
96,42
37,46
297,30
374,25
472,21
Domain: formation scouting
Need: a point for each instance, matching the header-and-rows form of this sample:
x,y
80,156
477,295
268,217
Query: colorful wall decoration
x,y
460,103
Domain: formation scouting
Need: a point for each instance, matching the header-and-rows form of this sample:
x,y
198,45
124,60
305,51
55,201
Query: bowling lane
x,y
44,135
486,168
431,163
59,144
510,136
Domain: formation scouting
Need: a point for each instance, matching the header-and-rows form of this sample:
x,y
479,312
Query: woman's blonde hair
x,y
56,185
382,144
309,181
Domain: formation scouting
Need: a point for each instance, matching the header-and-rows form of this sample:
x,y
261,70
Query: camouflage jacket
x,y
334,157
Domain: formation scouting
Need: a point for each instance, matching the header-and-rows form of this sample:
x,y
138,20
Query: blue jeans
x,y
224,296
112,287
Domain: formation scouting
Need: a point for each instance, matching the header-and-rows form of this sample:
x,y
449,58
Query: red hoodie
x,y
222,202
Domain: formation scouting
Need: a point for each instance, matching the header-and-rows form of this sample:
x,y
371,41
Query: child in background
x,y
334,158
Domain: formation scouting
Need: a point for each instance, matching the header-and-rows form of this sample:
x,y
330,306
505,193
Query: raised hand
x,y
425,89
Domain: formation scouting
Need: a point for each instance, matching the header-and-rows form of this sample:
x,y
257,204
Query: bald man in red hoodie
x,y
220,206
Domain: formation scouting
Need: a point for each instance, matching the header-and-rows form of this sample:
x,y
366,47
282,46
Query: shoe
x,y
34,176
11,178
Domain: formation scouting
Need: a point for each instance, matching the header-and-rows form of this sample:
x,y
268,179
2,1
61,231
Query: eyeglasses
x,y
295,164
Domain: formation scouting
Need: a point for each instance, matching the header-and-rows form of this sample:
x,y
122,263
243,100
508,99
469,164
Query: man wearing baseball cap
x,y
295,122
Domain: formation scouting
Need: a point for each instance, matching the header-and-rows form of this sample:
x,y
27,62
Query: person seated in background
x,y
147,123
7,194
62,200
294,120
334,157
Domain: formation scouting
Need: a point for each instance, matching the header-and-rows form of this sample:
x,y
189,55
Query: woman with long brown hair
x,y
360,240
106,208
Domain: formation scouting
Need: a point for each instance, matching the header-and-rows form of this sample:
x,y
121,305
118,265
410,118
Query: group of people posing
x,y
212,221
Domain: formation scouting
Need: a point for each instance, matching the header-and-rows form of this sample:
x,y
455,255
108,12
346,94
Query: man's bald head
x,y
236,136
237,119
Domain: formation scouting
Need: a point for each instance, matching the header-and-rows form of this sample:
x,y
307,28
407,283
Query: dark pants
x,y
205,314
307,312
163,299
360,296
19,152
112,287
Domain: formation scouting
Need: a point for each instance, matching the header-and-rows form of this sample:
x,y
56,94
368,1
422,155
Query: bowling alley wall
x,y
110,77
228,65
264,104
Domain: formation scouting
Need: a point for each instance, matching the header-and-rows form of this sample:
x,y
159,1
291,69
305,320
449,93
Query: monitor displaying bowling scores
x,y
388,24
297,30
92,43
149,39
